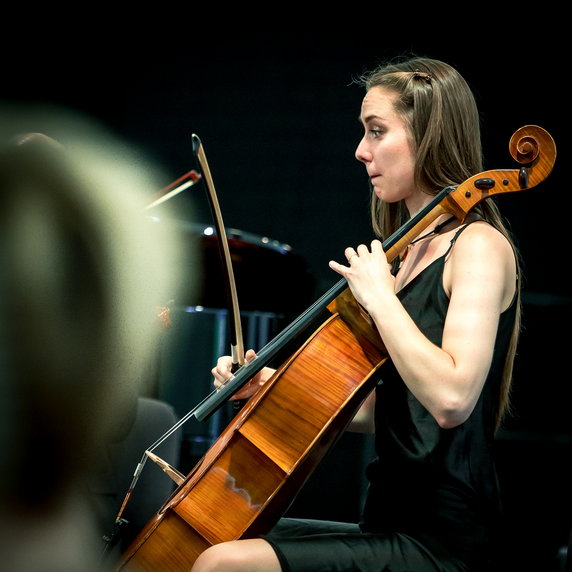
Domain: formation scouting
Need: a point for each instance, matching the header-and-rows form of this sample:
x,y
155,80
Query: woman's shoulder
x,y
479,235
483,254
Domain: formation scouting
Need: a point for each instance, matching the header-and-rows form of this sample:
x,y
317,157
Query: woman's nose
x,y
362,154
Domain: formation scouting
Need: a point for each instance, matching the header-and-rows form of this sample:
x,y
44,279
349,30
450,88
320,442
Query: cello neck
x,y
392,245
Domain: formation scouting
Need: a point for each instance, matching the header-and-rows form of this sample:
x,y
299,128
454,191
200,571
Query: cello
x,y
251,474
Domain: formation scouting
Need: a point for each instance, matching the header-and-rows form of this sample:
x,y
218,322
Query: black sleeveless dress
x,y
433,498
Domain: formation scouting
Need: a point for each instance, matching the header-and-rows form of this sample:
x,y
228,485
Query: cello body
x,y
251,474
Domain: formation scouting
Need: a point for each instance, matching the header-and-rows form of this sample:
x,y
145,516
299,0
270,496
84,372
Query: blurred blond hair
x,y
84,270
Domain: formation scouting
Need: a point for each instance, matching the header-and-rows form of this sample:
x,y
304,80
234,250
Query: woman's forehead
x,y
378,102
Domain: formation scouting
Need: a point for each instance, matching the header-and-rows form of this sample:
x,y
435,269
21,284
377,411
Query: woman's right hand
x,y
222,374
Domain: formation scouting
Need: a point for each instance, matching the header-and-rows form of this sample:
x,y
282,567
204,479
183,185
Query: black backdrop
x,y
279,126
278,121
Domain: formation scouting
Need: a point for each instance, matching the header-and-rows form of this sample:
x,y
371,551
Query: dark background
x,y
278,121
279,126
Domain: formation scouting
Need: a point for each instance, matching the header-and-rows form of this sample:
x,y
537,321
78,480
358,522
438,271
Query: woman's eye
x,y
375,133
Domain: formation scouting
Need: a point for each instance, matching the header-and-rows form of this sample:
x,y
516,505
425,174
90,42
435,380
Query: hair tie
x,y
423,75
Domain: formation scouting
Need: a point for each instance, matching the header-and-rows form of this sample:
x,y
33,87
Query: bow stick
x,y
236,340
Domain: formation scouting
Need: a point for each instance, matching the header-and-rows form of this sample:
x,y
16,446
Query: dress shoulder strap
x,y
456,235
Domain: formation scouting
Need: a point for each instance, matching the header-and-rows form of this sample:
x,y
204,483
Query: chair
x,y
153,487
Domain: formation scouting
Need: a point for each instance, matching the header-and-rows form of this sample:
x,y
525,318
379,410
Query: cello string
x,y
298,325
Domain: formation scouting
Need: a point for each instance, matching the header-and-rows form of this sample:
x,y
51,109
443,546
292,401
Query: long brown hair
x,y
441,114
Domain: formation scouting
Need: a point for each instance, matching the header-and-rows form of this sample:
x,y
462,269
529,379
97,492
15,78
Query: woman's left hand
x,y
368,274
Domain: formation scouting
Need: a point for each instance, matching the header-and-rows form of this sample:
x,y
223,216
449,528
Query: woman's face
x,y
387,149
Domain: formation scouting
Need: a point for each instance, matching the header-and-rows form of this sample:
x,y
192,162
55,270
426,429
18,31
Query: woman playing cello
x,y
448,312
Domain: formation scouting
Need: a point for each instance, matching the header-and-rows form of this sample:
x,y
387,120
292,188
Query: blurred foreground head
x,y
83,272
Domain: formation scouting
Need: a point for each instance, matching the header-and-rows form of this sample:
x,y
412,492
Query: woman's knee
x,y
215,557
245,555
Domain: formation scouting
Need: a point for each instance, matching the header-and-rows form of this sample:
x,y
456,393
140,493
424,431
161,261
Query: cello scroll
x,y
531,146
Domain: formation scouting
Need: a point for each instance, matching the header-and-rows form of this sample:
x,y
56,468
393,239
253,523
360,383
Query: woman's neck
x,y
418,201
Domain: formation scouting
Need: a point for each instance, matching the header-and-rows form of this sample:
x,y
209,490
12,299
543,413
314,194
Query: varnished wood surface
x,y
252,473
